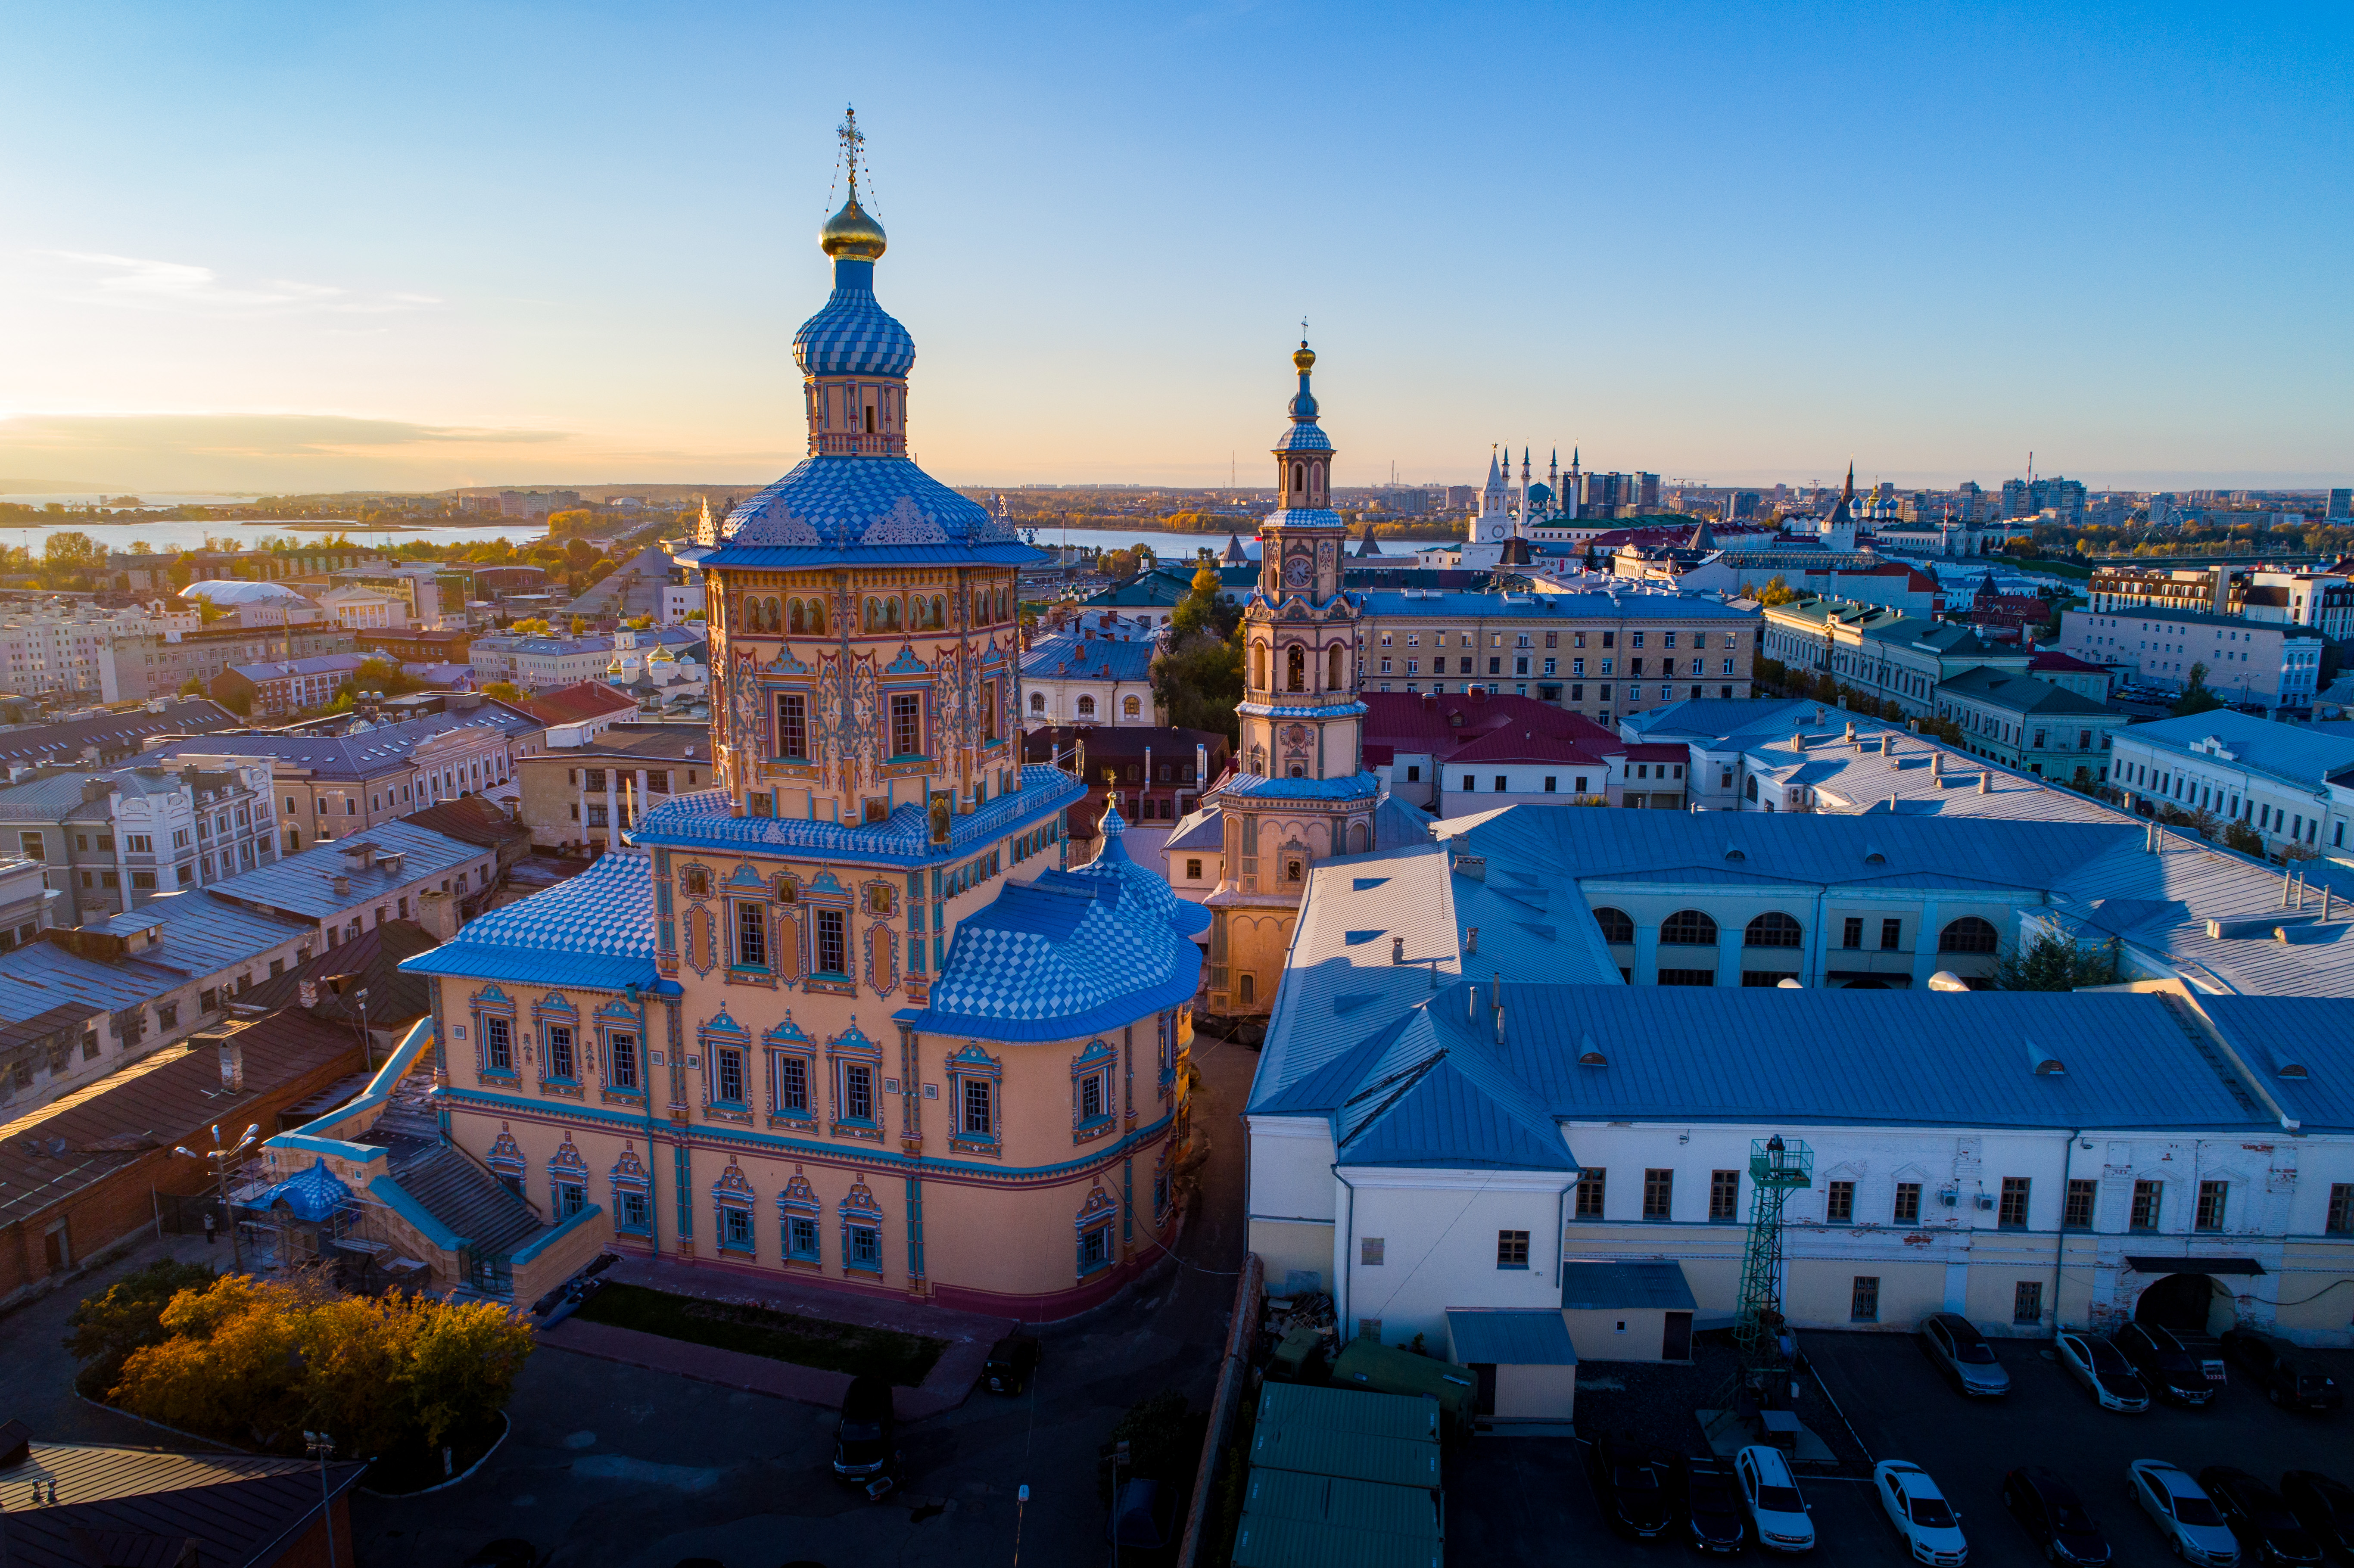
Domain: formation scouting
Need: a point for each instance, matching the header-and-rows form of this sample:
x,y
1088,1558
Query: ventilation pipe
x,y
1985,782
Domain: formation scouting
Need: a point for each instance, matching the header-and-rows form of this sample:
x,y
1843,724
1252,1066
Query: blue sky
x,y
285,247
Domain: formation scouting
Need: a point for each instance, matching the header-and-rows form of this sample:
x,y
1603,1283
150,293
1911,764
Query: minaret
x,y
1524,492
1577,491
1553,476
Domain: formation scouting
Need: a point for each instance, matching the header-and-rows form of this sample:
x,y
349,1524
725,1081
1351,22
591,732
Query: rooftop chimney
x,y
1985,782
1936,765
1397,949
343,885
232,1065
437,913
1471,941
309,989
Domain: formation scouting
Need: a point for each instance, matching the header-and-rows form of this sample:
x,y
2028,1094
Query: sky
x,y
290,248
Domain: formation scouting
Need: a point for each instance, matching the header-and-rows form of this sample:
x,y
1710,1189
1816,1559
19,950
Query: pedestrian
x,y
208,1227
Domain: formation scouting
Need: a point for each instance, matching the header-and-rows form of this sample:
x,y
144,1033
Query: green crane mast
x,y
1777,1170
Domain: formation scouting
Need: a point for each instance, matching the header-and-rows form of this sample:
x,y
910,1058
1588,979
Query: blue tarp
x,y
312,1194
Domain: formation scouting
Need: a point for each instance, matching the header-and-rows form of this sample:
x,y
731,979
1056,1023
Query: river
x,y
117,534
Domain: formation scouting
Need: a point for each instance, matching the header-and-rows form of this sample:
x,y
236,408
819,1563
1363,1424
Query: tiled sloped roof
x,y
703,821
370,960
1149,889
595,928
381,748
63,741
2023,694
1057,958
468,1199
837,502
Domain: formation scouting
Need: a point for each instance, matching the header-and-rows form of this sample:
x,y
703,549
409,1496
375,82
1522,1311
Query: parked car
x,y
2169,1368
2268,1531
1636,1485
2104,1372
1010,1362
1964,1354
1769,1495
2183,1513
2286,1376
862,1443
1713,1519
2325,1507
2047,1509
1931,1529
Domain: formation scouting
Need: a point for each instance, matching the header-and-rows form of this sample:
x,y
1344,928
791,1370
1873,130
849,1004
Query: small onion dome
x,y
1305,360
1304,406
854,232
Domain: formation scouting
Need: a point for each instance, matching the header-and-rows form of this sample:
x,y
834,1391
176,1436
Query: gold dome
x,y
852,232
1305,360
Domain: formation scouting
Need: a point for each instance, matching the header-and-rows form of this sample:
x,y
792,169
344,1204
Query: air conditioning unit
x,y
1948,1196
1986,1200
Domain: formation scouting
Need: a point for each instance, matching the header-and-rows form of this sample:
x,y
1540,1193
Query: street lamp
x,y
319,1445
220,1158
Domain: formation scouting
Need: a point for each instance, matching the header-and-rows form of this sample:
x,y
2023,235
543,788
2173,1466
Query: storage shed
x,y
1524,1358
1637,1309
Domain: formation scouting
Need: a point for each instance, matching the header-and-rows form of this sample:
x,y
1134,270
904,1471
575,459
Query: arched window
x,y
1298,479
1688,928
1258,666
1295,669
1247,988
1357,838
1004,603
1969,935
1773,929
773,608
1131,708
870,419
1616,926
1086,707
1335,672
1037,702
796,618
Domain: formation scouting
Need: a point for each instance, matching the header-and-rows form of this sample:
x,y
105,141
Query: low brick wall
x,y
1234,1386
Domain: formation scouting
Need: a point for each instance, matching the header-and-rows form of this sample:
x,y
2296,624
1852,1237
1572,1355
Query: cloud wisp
x,y
140,282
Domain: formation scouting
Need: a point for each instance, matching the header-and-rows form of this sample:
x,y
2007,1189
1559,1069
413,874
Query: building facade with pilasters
x,y
846,1016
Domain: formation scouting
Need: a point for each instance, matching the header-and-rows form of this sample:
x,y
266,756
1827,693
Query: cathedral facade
x,y
847,1017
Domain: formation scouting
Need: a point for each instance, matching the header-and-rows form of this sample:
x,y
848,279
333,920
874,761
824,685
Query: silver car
x,y
1964,1355
2183,1513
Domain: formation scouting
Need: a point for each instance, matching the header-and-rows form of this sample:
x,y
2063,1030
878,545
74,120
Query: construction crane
x,y
1777,1170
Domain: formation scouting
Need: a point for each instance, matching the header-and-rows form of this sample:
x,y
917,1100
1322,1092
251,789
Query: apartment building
x,y
140,665
1893,658
586,788
2249,664
65,649
100,738
112,841
2293,783
2276,597
2025,723
344,888
1597,653
285,686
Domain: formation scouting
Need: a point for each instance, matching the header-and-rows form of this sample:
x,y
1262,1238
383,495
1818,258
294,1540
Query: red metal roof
x,y
581,700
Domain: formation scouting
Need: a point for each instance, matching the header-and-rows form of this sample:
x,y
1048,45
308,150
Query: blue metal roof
x,y
363,754
595,928
1510,1337
2300,1049
846,502
2304,753
41,978
1603,1286
303,884
798,557
1055,959
1630,605
1064,657
1257,787
852,333
1149,888
205,935
704,821
312,1194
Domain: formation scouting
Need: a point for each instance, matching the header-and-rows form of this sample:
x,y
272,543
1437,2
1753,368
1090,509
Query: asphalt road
x,y
613,1467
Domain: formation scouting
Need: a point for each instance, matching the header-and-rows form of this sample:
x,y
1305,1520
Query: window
x,y
1512,1249
622,1060
1863,1300
1369,1252
1659,1194
1091,1098
1967,935
1773,929
2342,1208
800,1232
832,946
1246,988
727,1075
634,1213
751,934
2210,1204
139,843
2148,1200
2011,1214
1851,932
736,1228
1891,936
1591,1184
792,724
1687,977
559,1051
571,1197
1908,1210
978,1118
1688,928
2027,1302
1838,1203
1192,871
2078,1214
857,1092
1095,1249
33,845
788,1085
1724,1194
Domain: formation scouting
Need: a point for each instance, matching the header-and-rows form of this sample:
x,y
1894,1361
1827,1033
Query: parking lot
x,y
1526,1500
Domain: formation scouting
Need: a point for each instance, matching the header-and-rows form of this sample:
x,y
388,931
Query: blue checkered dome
x,y
853,334
841,501
1148,889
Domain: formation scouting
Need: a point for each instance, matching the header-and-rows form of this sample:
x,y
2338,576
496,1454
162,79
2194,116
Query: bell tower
x,y
1302,793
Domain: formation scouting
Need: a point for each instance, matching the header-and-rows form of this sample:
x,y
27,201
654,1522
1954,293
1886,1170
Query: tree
x,y
129,1317
579,551
2052,963
2196,698
2245,837
192,687
530,626
1778,590
578,625
503,691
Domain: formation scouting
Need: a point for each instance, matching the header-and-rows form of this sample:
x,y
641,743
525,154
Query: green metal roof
x,y
1358,1455
1408,1512
1270,1543
1351,1410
